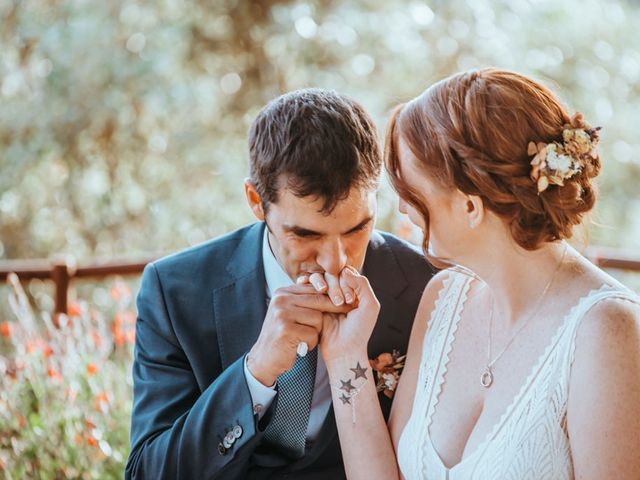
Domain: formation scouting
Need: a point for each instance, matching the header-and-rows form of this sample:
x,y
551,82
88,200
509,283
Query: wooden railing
x,y
61,272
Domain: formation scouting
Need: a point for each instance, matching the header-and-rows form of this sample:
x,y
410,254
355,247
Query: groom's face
x,y
306,240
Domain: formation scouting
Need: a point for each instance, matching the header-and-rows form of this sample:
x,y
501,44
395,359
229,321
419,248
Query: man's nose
x,y
332,257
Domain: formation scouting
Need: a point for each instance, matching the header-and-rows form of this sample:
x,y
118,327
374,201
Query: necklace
x,y
486,379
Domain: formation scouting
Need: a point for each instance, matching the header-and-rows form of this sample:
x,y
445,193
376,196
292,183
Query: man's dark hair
x,y
314,142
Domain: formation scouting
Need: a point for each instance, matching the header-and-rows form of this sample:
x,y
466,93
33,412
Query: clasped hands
x,y
337,313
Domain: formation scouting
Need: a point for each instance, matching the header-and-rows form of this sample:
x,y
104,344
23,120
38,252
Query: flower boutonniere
x,y
387,368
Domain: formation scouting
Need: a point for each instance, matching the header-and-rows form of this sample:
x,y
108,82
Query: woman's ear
x,y
253,199
475,210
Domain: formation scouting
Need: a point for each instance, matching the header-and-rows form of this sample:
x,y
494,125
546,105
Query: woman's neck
x,y
517,278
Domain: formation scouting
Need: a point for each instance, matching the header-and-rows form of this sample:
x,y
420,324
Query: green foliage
x,y
123,123
65,390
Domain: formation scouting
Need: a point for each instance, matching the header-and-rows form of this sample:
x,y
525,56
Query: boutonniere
x,y
387,368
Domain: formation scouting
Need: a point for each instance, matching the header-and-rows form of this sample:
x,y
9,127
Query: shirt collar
x,y
274,274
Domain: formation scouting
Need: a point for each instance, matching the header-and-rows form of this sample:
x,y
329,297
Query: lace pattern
x,y
530,439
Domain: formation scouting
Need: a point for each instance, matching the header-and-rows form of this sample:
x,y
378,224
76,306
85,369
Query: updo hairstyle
x,y
471,132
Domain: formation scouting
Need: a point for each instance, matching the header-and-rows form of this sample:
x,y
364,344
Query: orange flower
x,y
39,344
47,351
92,441
101,402
92,369
33,345
74,310
97,339
120,290
53,373
115,293
124,328
5,329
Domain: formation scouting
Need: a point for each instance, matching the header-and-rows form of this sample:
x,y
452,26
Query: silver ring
x,y
302,349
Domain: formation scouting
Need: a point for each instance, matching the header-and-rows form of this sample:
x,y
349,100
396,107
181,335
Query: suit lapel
x,y
240,304
388,282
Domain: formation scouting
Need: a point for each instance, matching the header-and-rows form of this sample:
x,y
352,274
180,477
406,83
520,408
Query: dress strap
x,y
590,301
440,335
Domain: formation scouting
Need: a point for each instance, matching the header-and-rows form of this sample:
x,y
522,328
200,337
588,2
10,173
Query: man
x,y
223,384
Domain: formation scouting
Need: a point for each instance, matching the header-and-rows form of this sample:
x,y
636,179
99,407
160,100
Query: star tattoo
x,y
346,386
359,371
345,399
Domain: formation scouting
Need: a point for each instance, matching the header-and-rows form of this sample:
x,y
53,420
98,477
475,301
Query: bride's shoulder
x,y
605,382
437,286
612,307
613,319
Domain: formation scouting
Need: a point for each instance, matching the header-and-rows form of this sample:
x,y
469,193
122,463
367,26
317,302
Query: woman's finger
x,y
317,280
334,289
360,285
347,291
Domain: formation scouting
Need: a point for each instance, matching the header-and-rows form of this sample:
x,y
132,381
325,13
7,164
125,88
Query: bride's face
x,y
448,227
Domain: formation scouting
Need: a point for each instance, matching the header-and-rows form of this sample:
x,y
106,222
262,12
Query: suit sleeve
x,y
177,430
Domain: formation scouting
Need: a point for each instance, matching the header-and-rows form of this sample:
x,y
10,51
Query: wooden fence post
x,y
60,276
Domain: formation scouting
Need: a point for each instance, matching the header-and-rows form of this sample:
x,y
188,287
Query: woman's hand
x,y
348,334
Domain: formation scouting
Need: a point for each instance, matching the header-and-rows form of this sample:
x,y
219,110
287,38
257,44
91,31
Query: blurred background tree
x,y
123,123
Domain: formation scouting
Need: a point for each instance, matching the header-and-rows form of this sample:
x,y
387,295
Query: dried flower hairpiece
x,y
555,162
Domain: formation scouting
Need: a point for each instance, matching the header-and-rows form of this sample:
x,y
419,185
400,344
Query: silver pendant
x,y
487,377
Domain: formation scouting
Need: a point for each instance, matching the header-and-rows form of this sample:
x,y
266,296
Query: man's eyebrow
x,y
361,225
306,232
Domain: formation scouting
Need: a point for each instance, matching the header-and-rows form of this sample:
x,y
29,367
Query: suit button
x,y
229,440
221,449
237,431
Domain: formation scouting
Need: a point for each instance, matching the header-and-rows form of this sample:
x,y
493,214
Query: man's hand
x,y
294,315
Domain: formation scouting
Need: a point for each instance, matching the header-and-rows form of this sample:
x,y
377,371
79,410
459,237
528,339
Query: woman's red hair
x,y
471,131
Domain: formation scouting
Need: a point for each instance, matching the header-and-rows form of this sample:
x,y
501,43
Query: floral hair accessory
x,y
555,162
387,368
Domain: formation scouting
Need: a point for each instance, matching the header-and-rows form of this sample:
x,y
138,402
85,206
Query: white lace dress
x,y
530,441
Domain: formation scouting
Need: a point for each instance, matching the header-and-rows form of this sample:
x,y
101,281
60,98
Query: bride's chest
x,y
466,412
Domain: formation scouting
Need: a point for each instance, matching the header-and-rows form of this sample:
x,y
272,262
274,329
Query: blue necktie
x,y
287,430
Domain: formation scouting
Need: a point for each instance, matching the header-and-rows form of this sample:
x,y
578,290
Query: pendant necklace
x,y
486,378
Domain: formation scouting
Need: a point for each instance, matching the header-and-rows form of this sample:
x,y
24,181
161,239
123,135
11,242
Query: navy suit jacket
x,y
199,313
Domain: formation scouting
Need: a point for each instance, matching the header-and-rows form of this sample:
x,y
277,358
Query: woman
x,y
524,359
